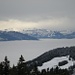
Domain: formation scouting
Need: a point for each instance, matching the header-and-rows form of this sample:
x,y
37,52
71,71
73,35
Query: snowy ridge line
x,y
46,33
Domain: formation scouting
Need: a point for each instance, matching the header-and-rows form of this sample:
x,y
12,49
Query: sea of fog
x,y
30,49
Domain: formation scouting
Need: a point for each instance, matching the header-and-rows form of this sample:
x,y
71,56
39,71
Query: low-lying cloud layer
x,y
53,24
51,14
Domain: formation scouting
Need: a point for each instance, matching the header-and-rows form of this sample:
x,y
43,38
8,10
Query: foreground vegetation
x,y
30,67
22,69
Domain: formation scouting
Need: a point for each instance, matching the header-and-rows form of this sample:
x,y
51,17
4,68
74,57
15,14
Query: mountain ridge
x,y
46,33
14,35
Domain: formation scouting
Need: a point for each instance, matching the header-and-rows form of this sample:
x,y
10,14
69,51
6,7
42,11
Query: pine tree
x,y
6,65
22,68
21,59
1,68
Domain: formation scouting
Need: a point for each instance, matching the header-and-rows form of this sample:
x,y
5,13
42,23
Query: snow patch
x,y
54,62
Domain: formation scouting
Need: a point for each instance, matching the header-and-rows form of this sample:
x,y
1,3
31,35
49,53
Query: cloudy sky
x,y
51,14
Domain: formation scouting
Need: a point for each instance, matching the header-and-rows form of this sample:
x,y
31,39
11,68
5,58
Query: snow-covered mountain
x,y
46,33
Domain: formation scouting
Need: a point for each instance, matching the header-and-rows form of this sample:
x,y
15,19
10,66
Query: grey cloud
x,y
37,10
27,8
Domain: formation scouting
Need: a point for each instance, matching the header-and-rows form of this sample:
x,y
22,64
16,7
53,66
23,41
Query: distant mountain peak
x,y
46,33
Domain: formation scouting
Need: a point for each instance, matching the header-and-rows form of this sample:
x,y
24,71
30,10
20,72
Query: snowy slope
x,y
54,62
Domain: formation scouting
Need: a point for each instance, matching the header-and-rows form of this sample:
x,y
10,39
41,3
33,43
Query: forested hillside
x,y
58,52
22,68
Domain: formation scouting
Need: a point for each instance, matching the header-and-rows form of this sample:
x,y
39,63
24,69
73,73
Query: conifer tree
x,y
22,68
1,68
6,65
21,59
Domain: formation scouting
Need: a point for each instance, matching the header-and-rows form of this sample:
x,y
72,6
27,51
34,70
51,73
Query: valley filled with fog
x,y
30,49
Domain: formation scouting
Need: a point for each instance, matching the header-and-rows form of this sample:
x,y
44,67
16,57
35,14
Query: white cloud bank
x,y
53,24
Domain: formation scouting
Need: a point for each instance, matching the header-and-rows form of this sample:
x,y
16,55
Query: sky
x,y
47,14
